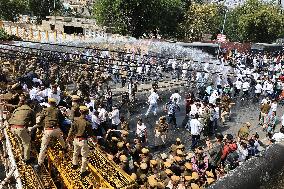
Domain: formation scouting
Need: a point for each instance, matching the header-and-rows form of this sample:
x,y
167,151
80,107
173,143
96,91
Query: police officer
x,y
82,129
22,118
52,118
74,112
161,130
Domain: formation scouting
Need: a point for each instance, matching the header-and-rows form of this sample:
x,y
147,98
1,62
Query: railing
x,y
35,34
16,172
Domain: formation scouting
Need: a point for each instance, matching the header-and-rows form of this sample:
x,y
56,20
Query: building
x,y
82,7
71,25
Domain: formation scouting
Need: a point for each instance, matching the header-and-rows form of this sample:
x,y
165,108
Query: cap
x,y
123,158
168,171
195,175
175,178
179,152
143,166
194,186
120,144
124,132
164,156
153,182
75,97
167,164
177,158
114,139
133,176
188,166
209,174
210,180
153,162
145,151
187,178
51,100
84,108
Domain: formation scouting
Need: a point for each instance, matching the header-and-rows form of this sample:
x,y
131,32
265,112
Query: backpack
x,y
232,160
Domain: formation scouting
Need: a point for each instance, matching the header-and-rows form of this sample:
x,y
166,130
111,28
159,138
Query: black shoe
x,y
37,167
85,173
27,162
75,167
65,150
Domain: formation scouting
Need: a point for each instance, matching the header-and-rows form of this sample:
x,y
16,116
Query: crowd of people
x,y
70,97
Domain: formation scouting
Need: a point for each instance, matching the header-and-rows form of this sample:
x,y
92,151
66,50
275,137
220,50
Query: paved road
x,y
242,112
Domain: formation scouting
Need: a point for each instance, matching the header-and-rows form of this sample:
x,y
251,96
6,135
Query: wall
x,y
254,173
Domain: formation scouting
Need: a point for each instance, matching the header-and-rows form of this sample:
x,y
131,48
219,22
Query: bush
x,y
4,36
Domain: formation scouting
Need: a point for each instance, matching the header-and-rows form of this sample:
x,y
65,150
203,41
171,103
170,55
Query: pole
x,y
224,22
54,6
222,31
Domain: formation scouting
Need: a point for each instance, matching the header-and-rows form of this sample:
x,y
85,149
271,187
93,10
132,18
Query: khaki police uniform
x,y
82,130
52,117
21,119
74,112
161,131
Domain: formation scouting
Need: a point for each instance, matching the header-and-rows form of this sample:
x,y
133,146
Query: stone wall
x,y
256,172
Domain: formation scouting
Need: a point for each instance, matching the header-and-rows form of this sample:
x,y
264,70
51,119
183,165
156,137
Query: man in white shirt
x,y
153,101
103,117
258,90
278,137
95,121
114,116
176,96
238,85
195,129
246,86
269,88
141,131
52,92
273,107
34,93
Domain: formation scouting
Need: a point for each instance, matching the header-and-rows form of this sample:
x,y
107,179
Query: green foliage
x,y
43,8
255,21
3,35
6,37
202,19
10,9
139,17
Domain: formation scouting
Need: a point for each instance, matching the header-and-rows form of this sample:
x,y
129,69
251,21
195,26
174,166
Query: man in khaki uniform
x,y
82,130
244,131
74,112
161,130
52,117
22,118
264,109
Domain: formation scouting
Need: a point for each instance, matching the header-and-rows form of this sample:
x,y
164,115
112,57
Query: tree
x,y
4,36
202,19
255,21
11,9
138,17
43,8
